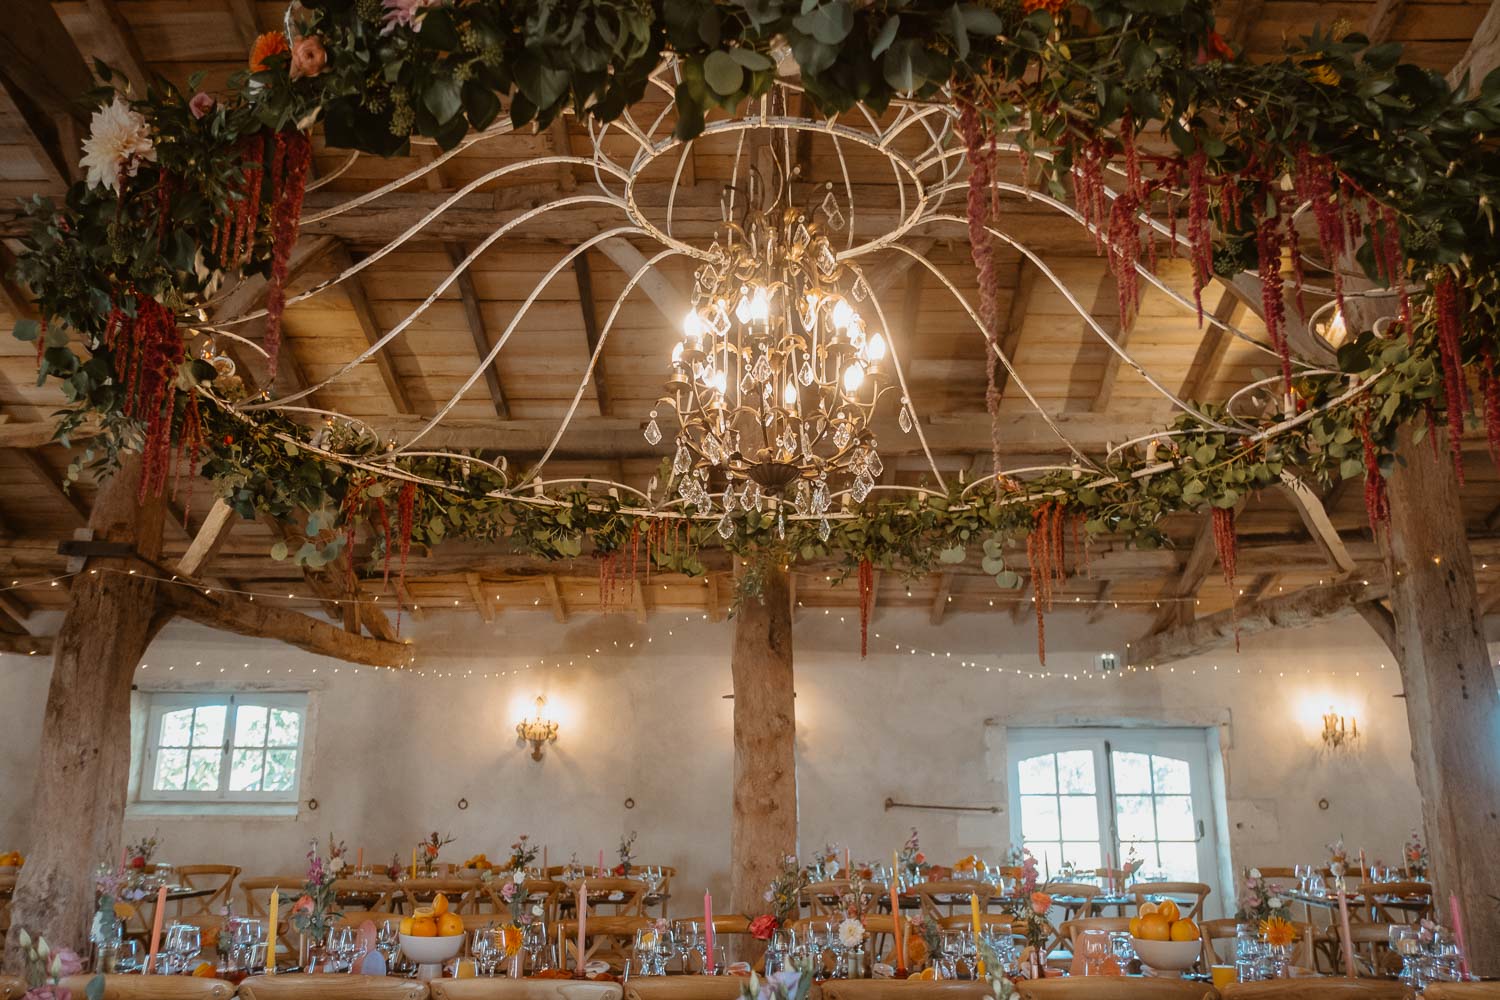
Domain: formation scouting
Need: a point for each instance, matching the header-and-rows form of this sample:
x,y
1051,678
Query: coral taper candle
x,y
708,933
974,912
271,932
359,859
601,863
583,916
1348,938
1458,935
161,908
896,912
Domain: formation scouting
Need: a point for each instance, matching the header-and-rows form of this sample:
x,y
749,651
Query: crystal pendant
x,y
770,415
904,419
653,432
752,497
820,497
762,369
827,262
859,291
747,384
682,461
831,210
801,235
824,530
780,527
805,373
726,527
765,393
840,436
729,499
873,464
861,488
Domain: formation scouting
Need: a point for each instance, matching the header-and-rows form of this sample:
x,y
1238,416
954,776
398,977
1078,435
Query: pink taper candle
x,y
1348,938
708,933
161,908
583,916
1458,935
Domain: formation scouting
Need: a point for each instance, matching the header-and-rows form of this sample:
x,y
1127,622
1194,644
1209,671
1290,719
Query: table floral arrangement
x,y
922,938
912,861
784,896
1280,934
522,853
1414,856
626,853
792,984
427,854
43,970
1258,898
1031,907
1338,856
140,853
316,910
394,871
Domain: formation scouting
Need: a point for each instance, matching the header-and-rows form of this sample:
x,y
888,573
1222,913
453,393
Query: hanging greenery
x,y
1397,170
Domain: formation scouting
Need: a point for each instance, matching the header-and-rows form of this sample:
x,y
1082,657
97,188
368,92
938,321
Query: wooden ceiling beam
x,y
48,480
247,22
1110,377
1295,610
555,598
1101,601
45,75
1483,54
711,597
115,30
26,645
211,536
942,596
1010,337
484,605
638,601
474,319
584,275
1319,527
1178,600
364,314
1381,25
656,286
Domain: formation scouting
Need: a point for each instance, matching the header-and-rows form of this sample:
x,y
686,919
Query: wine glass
x,y
534,941
687,942
184,941
645,950
1093,947
484,950
781,947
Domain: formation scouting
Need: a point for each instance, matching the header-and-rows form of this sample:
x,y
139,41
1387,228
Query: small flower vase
x,y
312,953
1281,961
854,963
515,965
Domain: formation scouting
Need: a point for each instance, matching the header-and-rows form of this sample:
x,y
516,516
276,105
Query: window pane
x,y
281,770
171,770
285,727
176,728
1083,854
1080,817
1174,818
1171,776
1048,855
250,726
1132,773
1039,817
1133,815
1075,771
203,771
208,726
1180,861
1037,775
245,769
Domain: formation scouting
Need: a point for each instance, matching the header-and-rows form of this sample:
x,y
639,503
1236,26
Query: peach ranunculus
x,y
308,57
763,926
1040,903
304,904
272,43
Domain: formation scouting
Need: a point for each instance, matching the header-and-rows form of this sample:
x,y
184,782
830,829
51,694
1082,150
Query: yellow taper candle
x,y
412,871
974,912
896,911
271,932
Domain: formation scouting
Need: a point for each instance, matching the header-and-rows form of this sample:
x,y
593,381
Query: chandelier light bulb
x,y
875,348
677,353
692,325
719,381
842,314
789,394
854,377
760,306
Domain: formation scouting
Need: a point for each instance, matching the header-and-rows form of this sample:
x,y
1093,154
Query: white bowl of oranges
x,y
1164,939
431,936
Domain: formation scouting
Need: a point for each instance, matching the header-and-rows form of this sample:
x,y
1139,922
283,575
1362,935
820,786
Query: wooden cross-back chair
x,y
663,894
256,892
821,899
371,894
1396,902
220,878
1191,893
539,892
954,894
631,901
1304,955
607,937
1373,956
1114,988
1318,988
1076,900
416,892
353,918
329,986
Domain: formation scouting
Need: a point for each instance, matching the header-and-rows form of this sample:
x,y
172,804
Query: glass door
x,y
1077,795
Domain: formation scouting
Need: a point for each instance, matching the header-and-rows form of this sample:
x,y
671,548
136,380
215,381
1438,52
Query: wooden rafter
x,y
657,287
48,480
1178,599
26,645
1294,610
1315,518
364,314
1483,53
942,596
43,72
1020,302
555,598
584,274
474,319
1383,20
212,534
111,25
1101,601
638,601
1106,291
247,22
1024,602
711,597
484,605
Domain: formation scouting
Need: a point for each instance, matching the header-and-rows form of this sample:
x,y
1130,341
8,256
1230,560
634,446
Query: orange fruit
x,y
450,924
425,927
1155,927
440,904
1135,927
1184,930
205,970
424,911
1146,909
406,925
1168,909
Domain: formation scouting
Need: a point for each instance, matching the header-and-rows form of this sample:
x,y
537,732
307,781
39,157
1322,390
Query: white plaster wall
x,y
393,753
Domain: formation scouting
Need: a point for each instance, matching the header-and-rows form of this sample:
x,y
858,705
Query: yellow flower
x,y
1324,74
1278,931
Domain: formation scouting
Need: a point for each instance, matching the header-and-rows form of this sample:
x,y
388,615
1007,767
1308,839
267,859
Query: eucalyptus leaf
x,y
723,73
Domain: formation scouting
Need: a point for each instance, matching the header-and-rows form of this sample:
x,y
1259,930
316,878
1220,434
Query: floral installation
x,y
1258,898
43,969
923,938
912,862
794,983
851,933
427,852
1414,855
316,910
140,853
523,853
626,854
857,899
829,860
1278,931
337,858
203,191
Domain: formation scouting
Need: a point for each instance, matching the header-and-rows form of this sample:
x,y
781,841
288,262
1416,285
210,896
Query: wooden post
x,y
79,802
764,825
1451,702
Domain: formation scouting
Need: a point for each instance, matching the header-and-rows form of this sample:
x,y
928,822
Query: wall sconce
x,y
1339,731
538,730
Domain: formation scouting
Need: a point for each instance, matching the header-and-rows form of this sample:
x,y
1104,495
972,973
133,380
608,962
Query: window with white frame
x,y
221,747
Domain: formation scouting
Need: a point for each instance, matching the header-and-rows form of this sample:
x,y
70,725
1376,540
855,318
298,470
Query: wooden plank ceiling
x,y
515,408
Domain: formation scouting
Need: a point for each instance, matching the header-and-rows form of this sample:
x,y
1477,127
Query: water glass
x,y
781,947
483,948
129,956
534,943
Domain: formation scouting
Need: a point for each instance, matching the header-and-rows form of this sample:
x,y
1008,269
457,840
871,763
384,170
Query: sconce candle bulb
x,y
538,730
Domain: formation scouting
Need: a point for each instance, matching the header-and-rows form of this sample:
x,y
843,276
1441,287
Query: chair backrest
x,y
1396,902
961,920
934,896
353,918
683,988
1225,930
1276,871
219,878
334,986
377,894
1462,991
1075,898
724,923
1178,892
632,894
460,891
895,989
154,987
1318,988
525,989
1114,988
1373,955
1072,928
11,988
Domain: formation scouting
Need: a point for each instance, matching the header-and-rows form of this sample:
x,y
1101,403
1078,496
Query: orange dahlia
x,y
1278,931
1053,7
272,43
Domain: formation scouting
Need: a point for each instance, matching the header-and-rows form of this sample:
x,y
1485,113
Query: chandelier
x,y
776,378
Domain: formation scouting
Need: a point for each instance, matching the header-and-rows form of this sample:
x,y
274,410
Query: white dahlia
x,y
119,142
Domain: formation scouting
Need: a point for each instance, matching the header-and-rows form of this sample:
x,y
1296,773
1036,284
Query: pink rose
x,y
201,104
762,927
68,962
308,57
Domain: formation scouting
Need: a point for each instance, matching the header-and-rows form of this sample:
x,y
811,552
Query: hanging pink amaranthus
x,y
981,169
1268,235
1489,388
289,166
1377,500
1447,308
1227,547
1200,238
1314,185
1390,259
148,351
235,236
866,604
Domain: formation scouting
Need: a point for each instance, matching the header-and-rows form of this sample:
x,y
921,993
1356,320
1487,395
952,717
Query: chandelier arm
x,y
510,327
604,332
213,330
1015,376
335,173
612,484
682,161
451,456
905,400
1016,474
442,286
